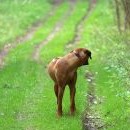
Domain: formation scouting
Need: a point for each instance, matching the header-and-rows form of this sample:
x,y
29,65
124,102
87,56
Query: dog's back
x,y
51,68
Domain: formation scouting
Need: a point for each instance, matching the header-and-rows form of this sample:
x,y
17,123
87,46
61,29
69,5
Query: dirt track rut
x,y
91,121
22,39
55,30
79,26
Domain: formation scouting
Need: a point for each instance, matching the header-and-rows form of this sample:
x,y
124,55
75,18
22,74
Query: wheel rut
x,y
33,98
79,26
22,39
55,30
90,121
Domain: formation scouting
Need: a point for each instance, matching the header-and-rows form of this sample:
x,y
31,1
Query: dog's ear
x,y
89,54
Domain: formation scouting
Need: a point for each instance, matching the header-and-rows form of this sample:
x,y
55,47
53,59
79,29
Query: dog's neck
x,y
73,61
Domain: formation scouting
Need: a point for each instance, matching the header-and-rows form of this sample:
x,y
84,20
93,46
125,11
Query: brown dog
x,y
63,71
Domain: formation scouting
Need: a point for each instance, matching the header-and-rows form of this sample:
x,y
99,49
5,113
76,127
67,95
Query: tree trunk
x,y
126,5
118,15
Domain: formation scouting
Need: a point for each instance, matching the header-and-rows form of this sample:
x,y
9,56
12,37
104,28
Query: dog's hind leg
x,y
56,91
60,96
72,99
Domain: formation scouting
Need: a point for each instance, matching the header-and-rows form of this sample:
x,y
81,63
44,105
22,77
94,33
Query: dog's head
x,y
83,54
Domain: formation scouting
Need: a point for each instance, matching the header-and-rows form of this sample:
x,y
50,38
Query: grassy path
x,y
30,90
26,91
80,25
44,100
25,37
108,92
16,86
17,17
54,31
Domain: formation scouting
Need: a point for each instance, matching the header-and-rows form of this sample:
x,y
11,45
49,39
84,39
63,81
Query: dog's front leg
x,y
60,96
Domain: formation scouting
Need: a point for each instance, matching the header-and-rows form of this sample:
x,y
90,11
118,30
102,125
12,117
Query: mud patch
x,y
91,119
92,122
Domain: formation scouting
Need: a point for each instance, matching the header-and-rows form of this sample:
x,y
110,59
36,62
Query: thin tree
x,y
126,6
118,14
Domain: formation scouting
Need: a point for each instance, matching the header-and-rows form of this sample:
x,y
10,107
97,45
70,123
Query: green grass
x,y
110,65
27,99
32,103
17,16
25,50
64,36
16,83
